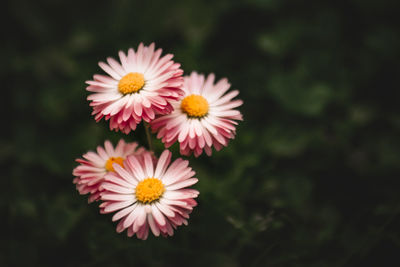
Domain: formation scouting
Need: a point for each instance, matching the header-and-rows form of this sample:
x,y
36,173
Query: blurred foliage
x,y
312,178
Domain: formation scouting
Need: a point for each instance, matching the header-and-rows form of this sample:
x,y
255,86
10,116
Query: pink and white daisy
x,y
204,118
90,173
146,195
139,87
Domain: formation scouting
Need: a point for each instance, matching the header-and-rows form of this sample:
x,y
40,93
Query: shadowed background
x,y
310,180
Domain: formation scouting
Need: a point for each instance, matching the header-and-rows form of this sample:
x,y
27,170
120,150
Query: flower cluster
x,y
142,190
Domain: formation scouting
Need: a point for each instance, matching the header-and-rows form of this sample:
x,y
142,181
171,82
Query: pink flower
x,y
146,195
90,173
203,118
139,87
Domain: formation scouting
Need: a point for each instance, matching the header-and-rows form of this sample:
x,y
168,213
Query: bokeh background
x,y
312,178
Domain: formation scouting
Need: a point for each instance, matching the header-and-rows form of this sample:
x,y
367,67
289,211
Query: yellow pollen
x,y
109,164
131,83
195,106
149,190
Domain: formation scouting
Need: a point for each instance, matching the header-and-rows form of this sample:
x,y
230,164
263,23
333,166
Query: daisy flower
x,y
204,118
139,87
90,173
149,196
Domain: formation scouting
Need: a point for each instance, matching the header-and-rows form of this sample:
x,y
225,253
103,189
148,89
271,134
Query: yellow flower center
x,y
131,83
149,190
109,164
195,106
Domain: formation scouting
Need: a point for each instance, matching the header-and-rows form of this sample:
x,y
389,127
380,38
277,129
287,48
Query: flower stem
x,y
148,135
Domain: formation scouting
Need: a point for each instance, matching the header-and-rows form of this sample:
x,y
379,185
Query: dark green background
x,y
312,178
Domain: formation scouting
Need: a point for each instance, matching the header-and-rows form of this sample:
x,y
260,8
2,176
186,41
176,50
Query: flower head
x,y
204,118
139,87
146,195
90,173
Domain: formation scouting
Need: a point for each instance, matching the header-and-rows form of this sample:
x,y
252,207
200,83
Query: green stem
x,y
148,135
